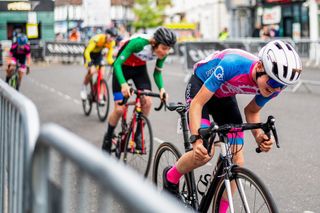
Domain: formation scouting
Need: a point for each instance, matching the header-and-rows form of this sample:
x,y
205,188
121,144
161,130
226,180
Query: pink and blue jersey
x,y
229,72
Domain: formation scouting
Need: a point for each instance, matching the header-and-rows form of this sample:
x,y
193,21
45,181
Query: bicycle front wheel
x,y
87,103
103,101
249,193
140,160
13,81
167,155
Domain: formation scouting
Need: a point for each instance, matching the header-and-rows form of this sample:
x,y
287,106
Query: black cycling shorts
x,y
139,76
96,59
223,110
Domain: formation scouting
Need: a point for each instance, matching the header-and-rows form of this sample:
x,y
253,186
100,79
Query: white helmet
x,y
281,62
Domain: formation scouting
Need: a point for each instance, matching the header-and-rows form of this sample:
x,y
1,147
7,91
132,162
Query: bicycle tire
x,y
163,154
159,166
87,104
105,106
13,81
263,201
131,158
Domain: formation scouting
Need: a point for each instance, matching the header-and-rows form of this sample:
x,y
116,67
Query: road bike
x,y
13,81
98,92
124,143
245,191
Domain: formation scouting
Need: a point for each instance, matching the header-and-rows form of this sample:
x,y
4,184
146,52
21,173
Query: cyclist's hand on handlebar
x,y
200,152
264,142
163,95
125,90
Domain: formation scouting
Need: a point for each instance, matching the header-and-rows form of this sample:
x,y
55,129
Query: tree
x,y
148,15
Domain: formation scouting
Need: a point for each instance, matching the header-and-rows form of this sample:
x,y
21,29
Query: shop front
x,y
34,18
289,18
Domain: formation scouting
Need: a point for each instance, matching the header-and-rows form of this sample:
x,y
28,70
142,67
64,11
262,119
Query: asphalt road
x,y
291,172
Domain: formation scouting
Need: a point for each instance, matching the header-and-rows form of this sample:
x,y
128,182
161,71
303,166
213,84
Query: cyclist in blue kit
x,y
212,89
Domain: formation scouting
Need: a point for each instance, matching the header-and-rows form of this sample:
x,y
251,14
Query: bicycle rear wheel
x,y
167,155
140,160
251,195
87,104
103,101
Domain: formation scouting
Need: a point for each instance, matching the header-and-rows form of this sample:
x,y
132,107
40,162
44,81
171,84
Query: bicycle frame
x,y
124,125
95,87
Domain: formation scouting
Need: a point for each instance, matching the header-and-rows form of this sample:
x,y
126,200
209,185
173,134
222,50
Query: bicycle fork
x,y
225,152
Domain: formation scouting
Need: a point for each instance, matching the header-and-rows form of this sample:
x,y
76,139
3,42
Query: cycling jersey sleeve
x,y
133,46
110,47
88,50
261,100
157,74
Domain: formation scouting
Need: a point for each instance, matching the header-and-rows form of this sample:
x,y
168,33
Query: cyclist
x,y
212,89
131,64
93,55
20,54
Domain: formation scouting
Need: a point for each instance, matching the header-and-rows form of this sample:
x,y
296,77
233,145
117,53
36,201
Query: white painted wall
x,y
97,12
211,15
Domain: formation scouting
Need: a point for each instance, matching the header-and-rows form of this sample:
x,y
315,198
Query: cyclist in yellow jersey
x,y
93,56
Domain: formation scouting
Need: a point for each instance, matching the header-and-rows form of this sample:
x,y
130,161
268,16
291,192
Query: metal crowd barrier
x,y
71,175
19,129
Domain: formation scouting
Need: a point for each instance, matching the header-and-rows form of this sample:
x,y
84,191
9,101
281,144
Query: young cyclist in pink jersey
x,y
212,89
20,54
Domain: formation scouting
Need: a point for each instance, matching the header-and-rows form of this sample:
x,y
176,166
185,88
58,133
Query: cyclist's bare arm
x,y
252,113
195,113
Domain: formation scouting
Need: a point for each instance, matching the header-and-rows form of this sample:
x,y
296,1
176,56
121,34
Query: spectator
x,y
256,31
59,37
274,31
224,34
74,35
265,33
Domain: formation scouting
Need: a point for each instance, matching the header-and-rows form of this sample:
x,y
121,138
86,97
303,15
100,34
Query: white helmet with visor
x,y
281,62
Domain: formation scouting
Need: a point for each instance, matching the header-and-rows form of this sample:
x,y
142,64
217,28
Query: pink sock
x,y
224,205
173,175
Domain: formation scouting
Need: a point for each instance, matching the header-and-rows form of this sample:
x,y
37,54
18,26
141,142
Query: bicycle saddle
x,y
176,106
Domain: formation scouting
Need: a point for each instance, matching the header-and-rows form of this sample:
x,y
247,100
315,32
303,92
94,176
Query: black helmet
x,y
165,36
112,31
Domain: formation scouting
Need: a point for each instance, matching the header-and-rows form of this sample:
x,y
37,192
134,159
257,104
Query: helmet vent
x,y
275,69
278,45
289,47
285,71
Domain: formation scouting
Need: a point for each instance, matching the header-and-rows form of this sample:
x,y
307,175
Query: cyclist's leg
x,y
90,71
10,69
116,113
187,162
226,111
21,73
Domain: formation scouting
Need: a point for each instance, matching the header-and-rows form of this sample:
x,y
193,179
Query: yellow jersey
x,y
96,44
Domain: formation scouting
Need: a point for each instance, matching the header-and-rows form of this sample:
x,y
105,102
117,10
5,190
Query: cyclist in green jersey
x,y
131,64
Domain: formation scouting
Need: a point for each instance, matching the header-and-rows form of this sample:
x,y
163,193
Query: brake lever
x,y
270,127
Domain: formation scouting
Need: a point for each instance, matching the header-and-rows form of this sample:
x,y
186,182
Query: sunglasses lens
x,y
274,84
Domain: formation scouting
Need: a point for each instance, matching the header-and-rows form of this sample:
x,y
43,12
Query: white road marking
x,y
158,140
53,90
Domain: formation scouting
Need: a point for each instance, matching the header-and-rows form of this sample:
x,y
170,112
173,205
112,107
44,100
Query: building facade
x,y
34,18
290,17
